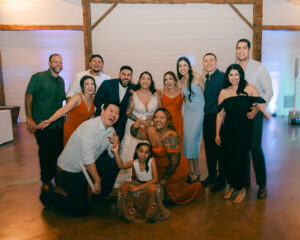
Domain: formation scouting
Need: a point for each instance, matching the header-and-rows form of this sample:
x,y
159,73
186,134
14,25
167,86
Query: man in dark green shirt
x,y
44,96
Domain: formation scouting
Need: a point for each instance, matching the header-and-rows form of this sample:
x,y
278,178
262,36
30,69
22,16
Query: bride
x,y
141,106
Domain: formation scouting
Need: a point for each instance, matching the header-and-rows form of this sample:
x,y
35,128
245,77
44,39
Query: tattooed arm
x,y
137,132
130,108
172,141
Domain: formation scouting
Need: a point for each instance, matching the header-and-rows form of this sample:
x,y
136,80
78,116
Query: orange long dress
x,y
77,116
174,106
177,189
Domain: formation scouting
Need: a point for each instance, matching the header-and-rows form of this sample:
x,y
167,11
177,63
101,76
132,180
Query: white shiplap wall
x,y
145,36
281,12
152,37
39,12
25,53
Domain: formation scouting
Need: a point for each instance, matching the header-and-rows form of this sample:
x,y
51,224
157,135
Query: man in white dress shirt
x,y
86,144
257,75
96,66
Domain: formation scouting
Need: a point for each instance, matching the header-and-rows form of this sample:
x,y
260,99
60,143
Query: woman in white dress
x,y
142,105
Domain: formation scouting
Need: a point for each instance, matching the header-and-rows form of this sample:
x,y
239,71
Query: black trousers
x,y
214,153
76,201
257,154
108,171
50,143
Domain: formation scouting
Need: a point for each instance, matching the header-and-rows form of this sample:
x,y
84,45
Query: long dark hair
x,y
191,93
152,86
169,117
242,83
82,80
136,156
172,74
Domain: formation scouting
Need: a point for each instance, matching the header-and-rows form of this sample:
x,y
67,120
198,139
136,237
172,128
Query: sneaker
x,y
218,186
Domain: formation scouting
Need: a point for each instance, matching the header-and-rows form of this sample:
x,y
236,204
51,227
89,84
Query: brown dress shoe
x,y
262,192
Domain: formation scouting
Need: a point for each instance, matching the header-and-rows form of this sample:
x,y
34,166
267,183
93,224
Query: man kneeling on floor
x,y
87,143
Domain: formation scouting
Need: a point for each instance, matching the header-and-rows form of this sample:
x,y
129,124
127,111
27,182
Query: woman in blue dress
x,y
192,87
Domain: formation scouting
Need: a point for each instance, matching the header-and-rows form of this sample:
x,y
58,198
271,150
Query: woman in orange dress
x,y
172,100
172,168
80,107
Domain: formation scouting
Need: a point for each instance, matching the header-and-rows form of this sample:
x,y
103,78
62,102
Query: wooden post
x,y
87,31
2,98
257,29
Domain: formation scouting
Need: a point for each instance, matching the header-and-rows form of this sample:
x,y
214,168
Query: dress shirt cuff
x,y
110,153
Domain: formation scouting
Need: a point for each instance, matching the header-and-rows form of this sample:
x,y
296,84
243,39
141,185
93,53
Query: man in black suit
x,y
116,90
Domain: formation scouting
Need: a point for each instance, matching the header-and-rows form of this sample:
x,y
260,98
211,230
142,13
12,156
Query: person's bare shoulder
x,y
251,90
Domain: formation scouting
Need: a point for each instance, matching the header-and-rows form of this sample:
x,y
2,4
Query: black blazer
x,y
109,91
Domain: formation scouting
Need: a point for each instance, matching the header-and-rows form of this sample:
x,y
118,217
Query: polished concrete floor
x,y
22,216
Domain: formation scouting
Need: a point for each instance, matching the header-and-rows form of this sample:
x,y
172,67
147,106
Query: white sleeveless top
x,y
140,110
142,176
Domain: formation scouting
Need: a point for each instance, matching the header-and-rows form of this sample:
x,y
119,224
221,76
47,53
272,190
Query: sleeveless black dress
x,y
236,138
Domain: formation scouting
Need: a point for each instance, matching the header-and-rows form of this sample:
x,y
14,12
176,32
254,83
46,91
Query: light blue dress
x,y
193,121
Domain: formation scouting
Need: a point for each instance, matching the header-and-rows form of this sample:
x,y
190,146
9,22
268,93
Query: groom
x,y
117,90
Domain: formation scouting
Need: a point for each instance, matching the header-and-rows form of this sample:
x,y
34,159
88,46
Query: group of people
x,y
135,137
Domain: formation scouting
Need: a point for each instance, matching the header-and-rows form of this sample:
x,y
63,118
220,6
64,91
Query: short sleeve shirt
x,y
48,94
75,84
85,145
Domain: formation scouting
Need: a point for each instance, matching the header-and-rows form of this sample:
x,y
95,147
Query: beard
x,y
120,81
56,69
95,71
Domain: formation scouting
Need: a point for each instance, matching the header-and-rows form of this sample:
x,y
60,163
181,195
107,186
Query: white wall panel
x,y
281,12
26,52
280,50
39,12
152,37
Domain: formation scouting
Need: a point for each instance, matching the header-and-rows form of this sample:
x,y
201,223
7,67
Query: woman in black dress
x,y
235,100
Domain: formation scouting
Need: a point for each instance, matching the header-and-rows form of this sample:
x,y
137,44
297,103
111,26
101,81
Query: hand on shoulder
x,y
199,80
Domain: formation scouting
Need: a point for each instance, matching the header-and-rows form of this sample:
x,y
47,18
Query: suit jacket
x,y
109,91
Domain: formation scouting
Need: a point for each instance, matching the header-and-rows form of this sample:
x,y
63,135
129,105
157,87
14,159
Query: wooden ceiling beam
x,y
104,15
15,27
257,19
245,20
282,27
174,1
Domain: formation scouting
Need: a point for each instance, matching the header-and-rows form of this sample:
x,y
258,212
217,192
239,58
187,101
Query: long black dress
x,y
236,138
